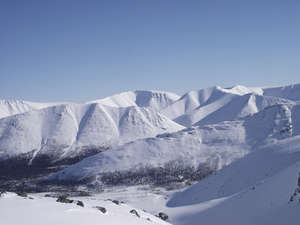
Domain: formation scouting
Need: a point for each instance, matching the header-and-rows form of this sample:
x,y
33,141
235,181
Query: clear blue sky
x,y
70,50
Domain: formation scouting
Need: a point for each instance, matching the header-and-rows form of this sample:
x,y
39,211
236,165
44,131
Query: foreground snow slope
x,y
17,210
68,129
254,190
217,145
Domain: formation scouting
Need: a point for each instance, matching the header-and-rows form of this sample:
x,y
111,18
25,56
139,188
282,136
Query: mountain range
x,y
232,152
57,132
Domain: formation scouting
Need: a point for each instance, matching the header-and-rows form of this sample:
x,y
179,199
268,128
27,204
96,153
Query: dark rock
x,y
64,199
163,216
133,211
116,202
2,193
83,193
22,194
101,209
80,203
189,183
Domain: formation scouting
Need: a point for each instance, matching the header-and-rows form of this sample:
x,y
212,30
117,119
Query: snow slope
x,y
16,210
216,104
291,92
190,147
155,100
66,130
254,190
218,145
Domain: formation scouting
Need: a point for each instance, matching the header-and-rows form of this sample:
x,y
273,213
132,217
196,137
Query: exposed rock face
x,y
163,216
117,202
2,193
80,203
101,209
22,194
64,199
133,211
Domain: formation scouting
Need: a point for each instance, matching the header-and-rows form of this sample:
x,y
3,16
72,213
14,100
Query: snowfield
x,y
16,210
254,190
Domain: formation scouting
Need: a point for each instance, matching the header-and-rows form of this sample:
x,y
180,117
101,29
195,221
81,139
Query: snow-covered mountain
x,y
69,130
291,92
53,132
243,141
155,100
12,107
210,146
257,158
216,104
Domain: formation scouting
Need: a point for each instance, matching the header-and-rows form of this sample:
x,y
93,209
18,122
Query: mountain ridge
x,y
68,132
215,146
